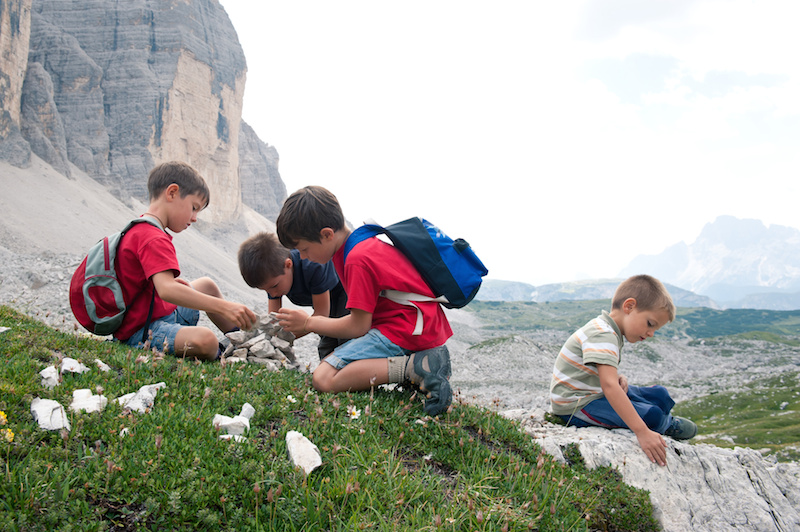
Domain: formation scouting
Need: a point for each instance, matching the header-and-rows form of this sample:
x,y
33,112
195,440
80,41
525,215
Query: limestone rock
x,y
84,401
49,414
234,426
302,452
15,27
261,183
702,487
50,377
142,400
70,365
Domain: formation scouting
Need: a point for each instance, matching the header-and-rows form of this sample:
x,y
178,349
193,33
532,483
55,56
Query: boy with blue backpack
x,y
391,341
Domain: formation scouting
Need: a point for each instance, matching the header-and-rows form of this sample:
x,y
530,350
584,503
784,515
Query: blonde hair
x,y
649,293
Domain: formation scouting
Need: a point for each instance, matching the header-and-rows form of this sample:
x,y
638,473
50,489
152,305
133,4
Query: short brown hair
x,y
261,257
649,293
306,213
188,179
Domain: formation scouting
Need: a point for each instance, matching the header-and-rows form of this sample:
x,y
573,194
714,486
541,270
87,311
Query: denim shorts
x,y
163,330
372,345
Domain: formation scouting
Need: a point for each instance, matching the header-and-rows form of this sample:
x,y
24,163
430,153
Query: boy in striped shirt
x,y
586,389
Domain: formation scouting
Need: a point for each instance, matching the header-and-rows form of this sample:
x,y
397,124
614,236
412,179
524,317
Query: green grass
x,y
392,468
765,415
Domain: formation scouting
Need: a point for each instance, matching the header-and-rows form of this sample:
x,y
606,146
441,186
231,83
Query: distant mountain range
x,y
734,263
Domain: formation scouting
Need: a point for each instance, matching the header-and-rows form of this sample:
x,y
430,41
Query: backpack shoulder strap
x,y
359,235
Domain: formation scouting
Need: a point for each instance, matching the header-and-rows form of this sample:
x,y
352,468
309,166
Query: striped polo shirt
x,y
576,381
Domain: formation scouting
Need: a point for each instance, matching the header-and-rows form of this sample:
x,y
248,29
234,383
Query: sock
x,y
410,373
397,368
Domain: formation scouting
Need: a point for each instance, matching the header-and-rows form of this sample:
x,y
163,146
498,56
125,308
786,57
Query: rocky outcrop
x,y
702,487
15,29
141,82
115,88
262,187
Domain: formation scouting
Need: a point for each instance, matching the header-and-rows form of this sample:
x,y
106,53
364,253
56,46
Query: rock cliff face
x,y
15,29
115,88
702,487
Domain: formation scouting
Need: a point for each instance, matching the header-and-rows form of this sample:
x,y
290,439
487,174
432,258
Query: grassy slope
x,y
389,469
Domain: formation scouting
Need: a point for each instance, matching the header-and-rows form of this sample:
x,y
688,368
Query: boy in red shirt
x,y
383,347
147,262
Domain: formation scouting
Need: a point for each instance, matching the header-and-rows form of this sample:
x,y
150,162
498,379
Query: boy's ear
x,y
326,233
172,191
628,305
288,263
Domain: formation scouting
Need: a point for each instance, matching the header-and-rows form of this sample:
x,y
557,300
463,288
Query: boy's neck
x,y
340,237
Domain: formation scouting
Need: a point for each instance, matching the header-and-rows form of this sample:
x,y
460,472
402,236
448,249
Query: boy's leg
x,y
600,413
358,364
178,334
207,286
356,376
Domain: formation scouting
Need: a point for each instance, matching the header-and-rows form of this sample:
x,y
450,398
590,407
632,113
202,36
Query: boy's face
x,y
638,325
183,211
321,251
279,286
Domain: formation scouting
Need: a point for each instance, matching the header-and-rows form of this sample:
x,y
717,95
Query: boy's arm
x,y
354,325
177,292
652,443
274,305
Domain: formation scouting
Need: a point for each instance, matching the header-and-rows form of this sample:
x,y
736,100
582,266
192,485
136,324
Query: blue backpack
x,y
450,268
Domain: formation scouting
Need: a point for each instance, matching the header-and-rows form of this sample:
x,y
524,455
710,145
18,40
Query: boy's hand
x,y
293,320
653,445
241,315
623,383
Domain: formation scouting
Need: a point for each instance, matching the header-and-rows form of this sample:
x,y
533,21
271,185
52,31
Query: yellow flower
x,y
3,418
353,412
9,436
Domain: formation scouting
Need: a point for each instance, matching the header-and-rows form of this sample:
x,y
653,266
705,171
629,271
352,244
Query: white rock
x,y
49,414
262,349
142,400
84,401
302,452
102,366
73,366
4,329
702,487
236,425
50,377
253,341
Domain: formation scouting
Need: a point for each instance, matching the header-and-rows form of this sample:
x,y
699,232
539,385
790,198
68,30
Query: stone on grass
x,y
84,401
302,452
49,414
234,426
71,365
102,366
142,400
50,377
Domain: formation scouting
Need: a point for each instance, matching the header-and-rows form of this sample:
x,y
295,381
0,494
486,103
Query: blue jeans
x,y
372,345
163,330
652,403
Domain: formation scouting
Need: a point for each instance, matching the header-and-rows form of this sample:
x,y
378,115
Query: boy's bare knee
x,y
321,383
206,285
199,342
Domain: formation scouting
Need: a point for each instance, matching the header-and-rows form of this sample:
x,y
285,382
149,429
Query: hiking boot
x,y
681,429
433,368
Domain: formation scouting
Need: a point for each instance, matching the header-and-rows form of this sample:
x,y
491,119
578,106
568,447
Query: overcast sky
x,y
561,139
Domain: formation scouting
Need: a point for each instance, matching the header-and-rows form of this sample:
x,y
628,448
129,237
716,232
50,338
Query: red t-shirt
x,y
144,251
373,266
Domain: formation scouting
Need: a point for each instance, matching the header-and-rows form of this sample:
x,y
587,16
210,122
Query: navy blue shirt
x,y
312,278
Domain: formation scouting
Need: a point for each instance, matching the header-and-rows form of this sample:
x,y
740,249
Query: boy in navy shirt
x,y
265,264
